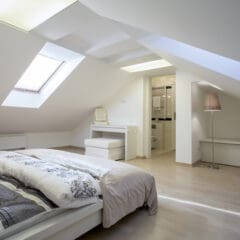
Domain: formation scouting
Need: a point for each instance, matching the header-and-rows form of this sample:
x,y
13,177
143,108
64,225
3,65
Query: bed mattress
x,y
50,221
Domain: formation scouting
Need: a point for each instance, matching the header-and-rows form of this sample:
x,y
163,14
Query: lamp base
x,y
208,165
213,166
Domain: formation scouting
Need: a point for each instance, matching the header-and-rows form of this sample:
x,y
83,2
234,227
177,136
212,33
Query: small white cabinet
x,y
12,141
226,151
128,133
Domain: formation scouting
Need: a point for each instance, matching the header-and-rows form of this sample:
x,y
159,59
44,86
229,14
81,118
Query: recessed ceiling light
x,y
28,14
147,66
208,84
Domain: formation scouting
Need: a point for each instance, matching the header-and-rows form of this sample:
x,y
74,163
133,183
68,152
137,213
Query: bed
x,y
83,192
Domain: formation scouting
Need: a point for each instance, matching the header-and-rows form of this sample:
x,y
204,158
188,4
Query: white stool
x,y
105,148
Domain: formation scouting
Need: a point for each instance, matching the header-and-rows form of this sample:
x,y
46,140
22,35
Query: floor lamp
x,y
212,104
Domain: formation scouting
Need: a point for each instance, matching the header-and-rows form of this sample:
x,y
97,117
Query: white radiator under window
x,y
12,141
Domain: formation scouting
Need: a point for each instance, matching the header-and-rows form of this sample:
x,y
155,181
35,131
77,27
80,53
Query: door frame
x,y
147,117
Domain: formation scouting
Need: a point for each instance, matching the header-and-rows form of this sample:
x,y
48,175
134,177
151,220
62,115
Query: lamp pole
x,y
212,104
213,149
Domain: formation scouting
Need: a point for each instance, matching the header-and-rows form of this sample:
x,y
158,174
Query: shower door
x,y
163,118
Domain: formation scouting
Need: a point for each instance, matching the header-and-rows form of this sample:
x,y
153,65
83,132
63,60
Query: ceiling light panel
x,y
28,14
147,66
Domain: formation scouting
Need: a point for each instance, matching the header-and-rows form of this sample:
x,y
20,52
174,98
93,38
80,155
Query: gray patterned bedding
x,y
67,188
18,202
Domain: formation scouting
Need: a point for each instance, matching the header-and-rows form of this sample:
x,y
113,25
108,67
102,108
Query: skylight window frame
x,y
46,81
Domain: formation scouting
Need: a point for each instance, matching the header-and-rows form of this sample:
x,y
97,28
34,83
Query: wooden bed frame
x,y
68,225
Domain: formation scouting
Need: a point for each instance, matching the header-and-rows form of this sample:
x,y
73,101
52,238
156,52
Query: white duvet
x,y
68,160
66,187
124,187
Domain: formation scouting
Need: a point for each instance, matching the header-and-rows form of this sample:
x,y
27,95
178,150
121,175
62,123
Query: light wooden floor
x,y
212,210
218,188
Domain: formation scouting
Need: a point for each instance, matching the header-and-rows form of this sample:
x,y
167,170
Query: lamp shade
x,y
212,102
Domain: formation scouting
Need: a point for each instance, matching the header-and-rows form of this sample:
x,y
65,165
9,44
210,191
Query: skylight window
x,y
28,14
147,66
38,73
50,67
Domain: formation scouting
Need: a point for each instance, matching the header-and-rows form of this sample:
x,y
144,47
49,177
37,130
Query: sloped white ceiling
x,y
210,25
17,50
82,30
207,25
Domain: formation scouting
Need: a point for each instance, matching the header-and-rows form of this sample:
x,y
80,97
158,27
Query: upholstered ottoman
x,y
105,148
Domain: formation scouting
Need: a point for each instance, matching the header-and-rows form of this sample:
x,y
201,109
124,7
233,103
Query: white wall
x,y
199,121
49,139
227,122
183,118
82,132
127,108
35,140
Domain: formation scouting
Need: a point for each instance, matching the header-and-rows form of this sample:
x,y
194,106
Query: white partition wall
x,y
200,121
190,123
183,118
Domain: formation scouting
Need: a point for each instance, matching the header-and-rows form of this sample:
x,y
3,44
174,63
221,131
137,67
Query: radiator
x,y
12,141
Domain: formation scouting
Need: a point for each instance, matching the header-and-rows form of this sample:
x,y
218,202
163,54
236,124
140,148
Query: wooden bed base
x,y
65,226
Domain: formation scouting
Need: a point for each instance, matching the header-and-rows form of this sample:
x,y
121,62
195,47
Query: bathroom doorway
x,y
163,121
